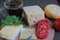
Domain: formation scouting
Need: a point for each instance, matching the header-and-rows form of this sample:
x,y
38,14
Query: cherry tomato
x,y
42,28
56,24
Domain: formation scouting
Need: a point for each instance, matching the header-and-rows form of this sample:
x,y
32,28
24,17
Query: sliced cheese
x,y
27,33
10,32
52,11
33,14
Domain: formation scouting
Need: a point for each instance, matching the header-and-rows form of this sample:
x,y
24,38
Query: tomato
x,y
56,24
42,28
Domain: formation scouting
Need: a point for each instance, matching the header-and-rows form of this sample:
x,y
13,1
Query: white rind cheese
x,y
33,14
52,11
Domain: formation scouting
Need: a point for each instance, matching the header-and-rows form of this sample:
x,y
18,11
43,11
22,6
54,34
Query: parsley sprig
x,y
11,20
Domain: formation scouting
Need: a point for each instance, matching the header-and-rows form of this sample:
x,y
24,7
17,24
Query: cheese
x,y
52,11
27,33
33,14
10,32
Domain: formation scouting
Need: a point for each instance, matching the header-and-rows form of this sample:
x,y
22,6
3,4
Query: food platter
x,y
51,30
13,29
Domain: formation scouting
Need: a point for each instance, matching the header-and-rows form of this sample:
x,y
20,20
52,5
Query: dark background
x,y
42,4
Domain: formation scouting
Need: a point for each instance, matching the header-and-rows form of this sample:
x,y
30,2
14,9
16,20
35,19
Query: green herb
x,y
11,20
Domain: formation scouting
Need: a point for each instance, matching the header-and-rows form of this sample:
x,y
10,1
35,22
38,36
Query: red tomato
x,y
56,24
42,28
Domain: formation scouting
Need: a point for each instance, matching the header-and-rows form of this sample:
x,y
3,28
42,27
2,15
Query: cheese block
x,y
33,14
10,32
52,11
29,33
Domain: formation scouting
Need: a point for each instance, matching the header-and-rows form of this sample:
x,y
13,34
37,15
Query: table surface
x,y
42,4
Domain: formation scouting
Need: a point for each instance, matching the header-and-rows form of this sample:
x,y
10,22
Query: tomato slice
x,y
42,28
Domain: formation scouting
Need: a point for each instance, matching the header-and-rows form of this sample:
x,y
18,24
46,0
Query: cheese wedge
x,y
52,11
10,32
33,14
29,33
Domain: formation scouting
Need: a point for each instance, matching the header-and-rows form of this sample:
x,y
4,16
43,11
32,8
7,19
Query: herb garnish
x,y
11,20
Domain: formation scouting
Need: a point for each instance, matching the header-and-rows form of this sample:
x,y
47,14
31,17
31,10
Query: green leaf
x,y
12,20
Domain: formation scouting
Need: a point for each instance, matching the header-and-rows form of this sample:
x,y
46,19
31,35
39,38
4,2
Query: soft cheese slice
x,y
33,14
10,32
52,11
27,33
